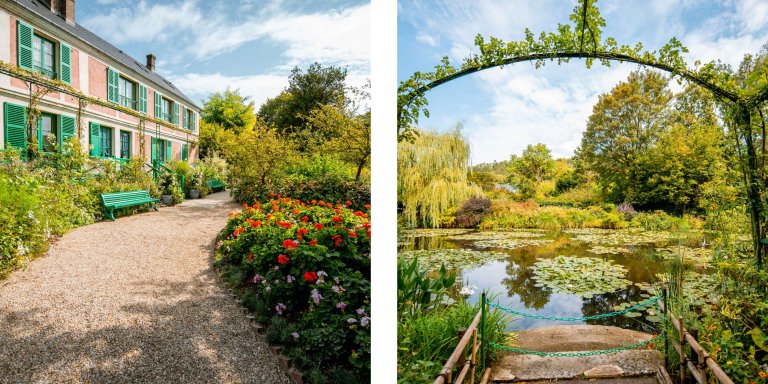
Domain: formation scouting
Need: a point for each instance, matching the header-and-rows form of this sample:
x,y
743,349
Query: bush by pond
x,y
303,267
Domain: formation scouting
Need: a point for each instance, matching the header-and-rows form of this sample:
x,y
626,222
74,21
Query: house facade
x,y
118,107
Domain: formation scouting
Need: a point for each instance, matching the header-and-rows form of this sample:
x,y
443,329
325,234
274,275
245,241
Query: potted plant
x,y
197,184
168,186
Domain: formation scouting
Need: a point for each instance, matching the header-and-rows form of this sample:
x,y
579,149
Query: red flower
x,y
348,202
245,205
312,242
269,217
310,276
337,240
238,231
250,257
319,227
321,202
367,224
338,211
313,201
285,224
352,234
289,244
367,206
256,223
338,219
368,234
271,194
283,259
295,211
301,232
305,219
275,208
329,205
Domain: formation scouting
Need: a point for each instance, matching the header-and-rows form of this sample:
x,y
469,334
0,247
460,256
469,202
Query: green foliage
x,y
214,167
306,91
432,176
310,267
417,291
169,185
348,136
45,197
529,170
229,110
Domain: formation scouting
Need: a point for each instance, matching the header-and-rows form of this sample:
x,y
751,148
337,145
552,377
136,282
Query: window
x,y
43,56
45,132
160,150
166,110
125,144
189,119
127,93
106,142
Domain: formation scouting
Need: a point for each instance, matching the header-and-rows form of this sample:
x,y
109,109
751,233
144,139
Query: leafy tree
x,y
529,170
306,91
432,176
213,137
255,155
624,124
230,110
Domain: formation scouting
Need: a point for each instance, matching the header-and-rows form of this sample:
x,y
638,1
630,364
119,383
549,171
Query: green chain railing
x,y
578,354
653,301
646,303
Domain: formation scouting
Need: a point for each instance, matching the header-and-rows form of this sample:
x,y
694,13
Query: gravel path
x,y
130,301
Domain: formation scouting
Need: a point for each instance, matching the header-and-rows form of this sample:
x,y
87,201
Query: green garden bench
x,y
215,185
115,200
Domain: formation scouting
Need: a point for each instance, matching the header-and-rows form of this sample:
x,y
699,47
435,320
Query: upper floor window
x,y
189,119
127,93
43,56
167,114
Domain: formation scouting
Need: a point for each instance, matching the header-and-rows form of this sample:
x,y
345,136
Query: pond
x,y
570,273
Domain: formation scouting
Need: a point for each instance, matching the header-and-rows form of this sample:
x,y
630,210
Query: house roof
x,y
90,38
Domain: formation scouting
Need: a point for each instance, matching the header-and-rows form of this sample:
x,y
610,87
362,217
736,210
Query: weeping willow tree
x,y
432,176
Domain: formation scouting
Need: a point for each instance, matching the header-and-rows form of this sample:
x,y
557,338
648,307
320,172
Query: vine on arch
x,y
583,39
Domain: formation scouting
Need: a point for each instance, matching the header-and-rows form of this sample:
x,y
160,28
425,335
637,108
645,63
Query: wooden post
x,y
682,349
665,310
695,356
462,358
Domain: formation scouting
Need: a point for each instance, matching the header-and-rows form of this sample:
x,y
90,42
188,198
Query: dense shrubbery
x,y
46,196
472,212
304,268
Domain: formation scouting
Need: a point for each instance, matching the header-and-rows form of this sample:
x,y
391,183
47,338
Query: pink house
x,y
41,37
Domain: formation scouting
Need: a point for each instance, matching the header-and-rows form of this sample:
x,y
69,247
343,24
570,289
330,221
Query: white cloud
x,y
752,14
144,22
427,39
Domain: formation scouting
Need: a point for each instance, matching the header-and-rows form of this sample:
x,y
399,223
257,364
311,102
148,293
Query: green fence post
x,y
483,341
666,336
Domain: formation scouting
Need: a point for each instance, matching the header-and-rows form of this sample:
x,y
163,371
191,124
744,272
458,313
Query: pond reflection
x,y
511,281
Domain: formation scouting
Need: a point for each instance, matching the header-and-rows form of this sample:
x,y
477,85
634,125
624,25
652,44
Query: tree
x,y
529,170
624,124
343,133
255,155
230,110
432,176
213,137
306,91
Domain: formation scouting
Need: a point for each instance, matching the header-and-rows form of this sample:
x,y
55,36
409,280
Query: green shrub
x,y
309,266
473,211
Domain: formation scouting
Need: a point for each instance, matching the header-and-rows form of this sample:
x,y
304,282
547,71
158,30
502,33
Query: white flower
x,y
467,290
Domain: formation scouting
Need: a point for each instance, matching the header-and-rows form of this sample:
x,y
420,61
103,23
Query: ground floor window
x,y
45,132
106,142
125,145
160,150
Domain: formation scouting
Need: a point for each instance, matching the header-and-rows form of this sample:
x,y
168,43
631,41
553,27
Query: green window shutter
x,y
113,94
158,105
168,150
176,113
65,63
184,150
95,139
142,98
24,45
67,125
154,150
15,118
184,121
194,122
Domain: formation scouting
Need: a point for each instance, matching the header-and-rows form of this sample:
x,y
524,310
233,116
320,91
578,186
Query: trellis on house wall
x,y
44,85
583,39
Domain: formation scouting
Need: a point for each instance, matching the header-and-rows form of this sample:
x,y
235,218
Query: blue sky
x,y
503,110
205,46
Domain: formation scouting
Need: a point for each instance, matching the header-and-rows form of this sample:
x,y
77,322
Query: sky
x,y
504,110
205,46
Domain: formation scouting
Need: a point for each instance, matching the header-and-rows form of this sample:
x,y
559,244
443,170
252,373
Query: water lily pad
x,y
434,232
632,314
697,255
653,319
453,258
510,243
583,276
600,250
626,237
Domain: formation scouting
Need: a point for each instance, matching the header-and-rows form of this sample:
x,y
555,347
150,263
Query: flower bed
x,y
304,269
